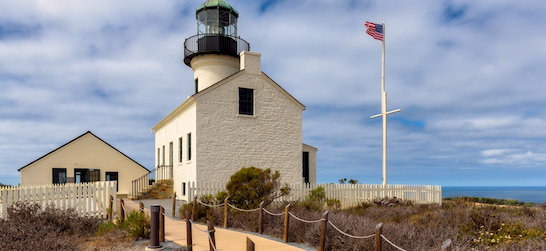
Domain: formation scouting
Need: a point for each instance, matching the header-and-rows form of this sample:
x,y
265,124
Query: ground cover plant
x,y
411,226
31,227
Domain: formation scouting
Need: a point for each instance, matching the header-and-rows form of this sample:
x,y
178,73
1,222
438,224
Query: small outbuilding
x,y
86,158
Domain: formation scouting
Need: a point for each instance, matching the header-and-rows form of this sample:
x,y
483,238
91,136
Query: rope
x,y
348,235
207,205
306,221
204,231
211,243
244,210
272,214
397,247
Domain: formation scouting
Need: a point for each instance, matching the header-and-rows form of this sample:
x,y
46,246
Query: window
x,y
163,159
112,176
171,154
246,101
158,158
180,150
183,188
59,176
196,85
189,146
94,175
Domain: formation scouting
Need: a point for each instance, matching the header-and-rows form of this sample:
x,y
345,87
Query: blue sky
x,y
468,76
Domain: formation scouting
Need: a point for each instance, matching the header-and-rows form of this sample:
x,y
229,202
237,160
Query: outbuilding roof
x,y
88,132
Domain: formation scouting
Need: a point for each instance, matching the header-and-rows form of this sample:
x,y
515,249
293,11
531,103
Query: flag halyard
x,y
374,30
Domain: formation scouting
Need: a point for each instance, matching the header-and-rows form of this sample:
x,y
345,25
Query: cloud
x,y
468,76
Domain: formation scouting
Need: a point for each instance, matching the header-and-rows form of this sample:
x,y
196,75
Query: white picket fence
x,y
91,199
348,194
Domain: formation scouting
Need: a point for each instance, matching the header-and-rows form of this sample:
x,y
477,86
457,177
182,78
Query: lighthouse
x,y
236,117
213,53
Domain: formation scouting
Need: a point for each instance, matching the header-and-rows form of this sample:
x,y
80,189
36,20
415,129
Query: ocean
x,y
523,194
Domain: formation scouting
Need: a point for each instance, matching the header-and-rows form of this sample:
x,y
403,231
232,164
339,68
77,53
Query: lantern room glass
x,y
217,22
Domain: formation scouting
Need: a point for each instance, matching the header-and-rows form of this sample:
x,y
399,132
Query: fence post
x,y
249,244
378,231
122,210
446,246
225,211
154,231
286,222
194,207
161,224
111,204
174,204
212,241
261,219
323,226
189,241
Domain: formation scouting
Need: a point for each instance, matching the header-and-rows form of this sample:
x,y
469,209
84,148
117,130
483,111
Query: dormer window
x,y
246,101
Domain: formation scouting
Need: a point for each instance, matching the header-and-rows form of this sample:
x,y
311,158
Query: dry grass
x,y
410,226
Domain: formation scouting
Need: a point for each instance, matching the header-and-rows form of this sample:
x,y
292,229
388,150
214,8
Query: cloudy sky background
x,y
468,76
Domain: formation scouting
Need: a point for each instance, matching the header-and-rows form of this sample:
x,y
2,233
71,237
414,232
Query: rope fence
x,y
287,215
324,220
387,240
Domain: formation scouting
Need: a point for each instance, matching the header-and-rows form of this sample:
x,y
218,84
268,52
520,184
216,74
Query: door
x,y
81,175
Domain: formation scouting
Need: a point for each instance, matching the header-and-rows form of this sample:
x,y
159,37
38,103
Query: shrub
x,y
248,187
137,224
31,227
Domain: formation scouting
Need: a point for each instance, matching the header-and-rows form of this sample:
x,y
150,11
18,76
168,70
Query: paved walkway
x,y
175,230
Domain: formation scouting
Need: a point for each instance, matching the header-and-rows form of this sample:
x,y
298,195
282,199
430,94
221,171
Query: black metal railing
x,y
212,44
145,181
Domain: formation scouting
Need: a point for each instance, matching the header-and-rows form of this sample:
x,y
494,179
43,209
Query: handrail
x,y
213,43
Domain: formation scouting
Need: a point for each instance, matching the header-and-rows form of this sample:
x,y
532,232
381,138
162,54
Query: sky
x,y
469,77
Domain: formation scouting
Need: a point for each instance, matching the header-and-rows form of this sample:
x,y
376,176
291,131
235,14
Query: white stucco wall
x,y
272,138
178,126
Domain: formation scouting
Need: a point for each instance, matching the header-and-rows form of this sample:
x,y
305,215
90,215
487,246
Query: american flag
x,y
375,30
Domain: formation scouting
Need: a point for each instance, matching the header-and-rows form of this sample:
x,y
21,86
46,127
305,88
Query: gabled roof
x,y
191,99
90,133
277,86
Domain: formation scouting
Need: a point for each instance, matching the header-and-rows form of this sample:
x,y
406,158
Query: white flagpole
x,y
384,112
384,108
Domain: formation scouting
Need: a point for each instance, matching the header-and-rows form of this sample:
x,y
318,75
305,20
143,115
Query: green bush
x,y
248,187
137,224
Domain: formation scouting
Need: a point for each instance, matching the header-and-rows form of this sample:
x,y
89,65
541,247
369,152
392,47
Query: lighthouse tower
x,y
238,116
213,53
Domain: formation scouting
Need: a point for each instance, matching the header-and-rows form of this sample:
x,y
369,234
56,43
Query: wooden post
x,y
249,244
225,211
261,219
212,241
121,210
189,241
194,207
378,231
286,222
174,204
323,226
111,209
161,224
446,246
